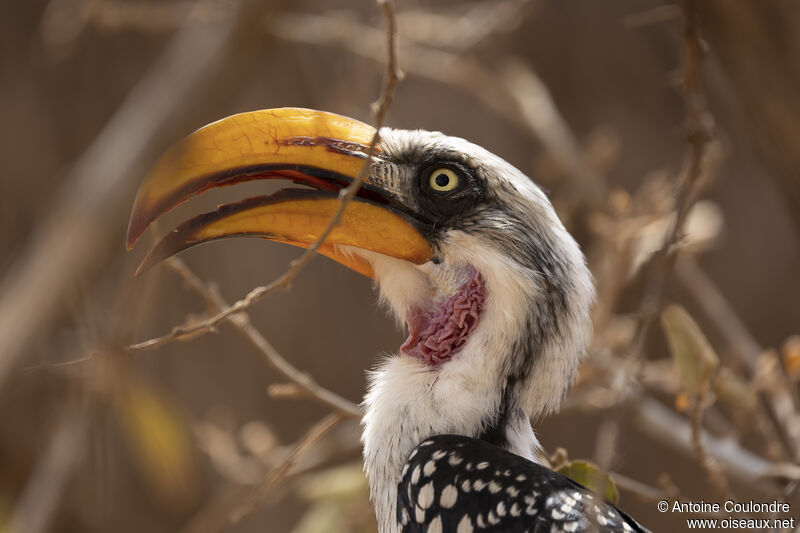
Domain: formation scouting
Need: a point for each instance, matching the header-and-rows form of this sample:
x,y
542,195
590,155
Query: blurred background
x,y
586,97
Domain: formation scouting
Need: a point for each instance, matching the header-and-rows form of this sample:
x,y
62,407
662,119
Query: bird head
x,y
466,250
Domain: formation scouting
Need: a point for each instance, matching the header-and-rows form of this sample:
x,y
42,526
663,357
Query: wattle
x,y
434,336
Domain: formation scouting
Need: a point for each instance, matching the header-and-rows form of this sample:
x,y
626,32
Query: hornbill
x,y
469,253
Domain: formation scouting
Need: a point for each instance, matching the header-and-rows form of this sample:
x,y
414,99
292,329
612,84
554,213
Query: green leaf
x,y
159,441
339,499
695,360
590,476
734,391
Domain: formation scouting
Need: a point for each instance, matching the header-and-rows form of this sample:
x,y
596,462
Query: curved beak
x,y
322,151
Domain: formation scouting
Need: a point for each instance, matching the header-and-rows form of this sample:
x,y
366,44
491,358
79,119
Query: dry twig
x,y
519,96
779,406
698,134
741,465
241,322
713,472
316,432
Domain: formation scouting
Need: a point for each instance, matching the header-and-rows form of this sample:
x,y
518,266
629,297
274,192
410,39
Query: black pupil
x,y
442,180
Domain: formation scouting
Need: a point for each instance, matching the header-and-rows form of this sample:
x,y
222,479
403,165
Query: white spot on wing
x,y
426,495
455,460
415,475
429,468
435,525
465,525
448,497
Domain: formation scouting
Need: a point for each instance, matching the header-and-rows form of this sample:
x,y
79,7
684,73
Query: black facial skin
x,y
443,208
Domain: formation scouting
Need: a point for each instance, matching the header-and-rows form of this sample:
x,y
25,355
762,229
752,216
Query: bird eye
x,y
443,180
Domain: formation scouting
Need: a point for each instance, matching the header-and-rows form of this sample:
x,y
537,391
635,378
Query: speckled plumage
x,y
458,484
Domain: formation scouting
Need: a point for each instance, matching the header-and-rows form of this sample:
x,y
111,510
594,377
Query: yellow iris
x,y
443,180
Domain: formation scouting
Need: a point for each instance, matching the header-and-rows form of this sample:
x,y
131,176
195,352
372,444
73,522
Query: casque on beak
x,y
321,150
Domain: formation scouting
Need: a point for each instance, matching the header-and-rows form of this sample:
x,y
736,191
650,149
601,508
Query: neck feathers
x,y
408,403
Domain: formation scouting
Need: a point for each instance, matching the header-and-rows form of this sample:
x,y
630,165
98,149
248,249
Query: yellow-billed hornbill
x,y
470,254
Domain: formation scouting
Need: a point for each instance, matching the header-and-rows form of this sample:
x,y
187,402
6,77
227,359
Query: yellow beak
x,y
321,150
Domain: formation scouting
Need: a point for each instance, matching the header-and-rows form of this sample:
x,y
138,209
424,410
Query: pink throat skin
x,y
434,336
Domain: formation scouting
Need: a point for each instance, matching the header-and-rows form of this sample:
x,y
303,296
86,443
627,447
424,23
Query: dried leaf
x,y
790,355
703,224
682,402
342,482
339,501
735,392
159,442
590,476
259,439
695,360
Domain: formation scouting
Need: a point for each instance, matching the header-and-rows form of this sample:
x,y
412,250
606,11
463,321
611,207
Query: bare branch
x,y
698,134
316,432
709,465
518,95
241,321
542,117
741,465
637,487
778,402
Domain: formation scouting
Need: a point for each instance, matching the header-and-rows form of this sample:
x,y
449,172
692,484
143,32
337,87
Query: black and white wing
x,y
459,484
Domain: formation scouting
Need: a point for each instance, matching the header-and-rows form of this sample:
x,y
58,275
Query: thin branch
x,y
638,488
698,135
699,126
778,403
709,465
379,110
316,432
544,120
740,464
241,322
215,515
518,95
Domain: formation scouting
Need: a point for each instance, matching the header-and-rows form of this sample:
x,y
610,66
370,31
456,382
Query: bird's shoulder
x,y
459,484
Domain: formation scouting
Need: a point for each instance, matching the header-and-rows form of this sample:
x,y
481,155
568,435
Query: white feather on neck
x,y
409,401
